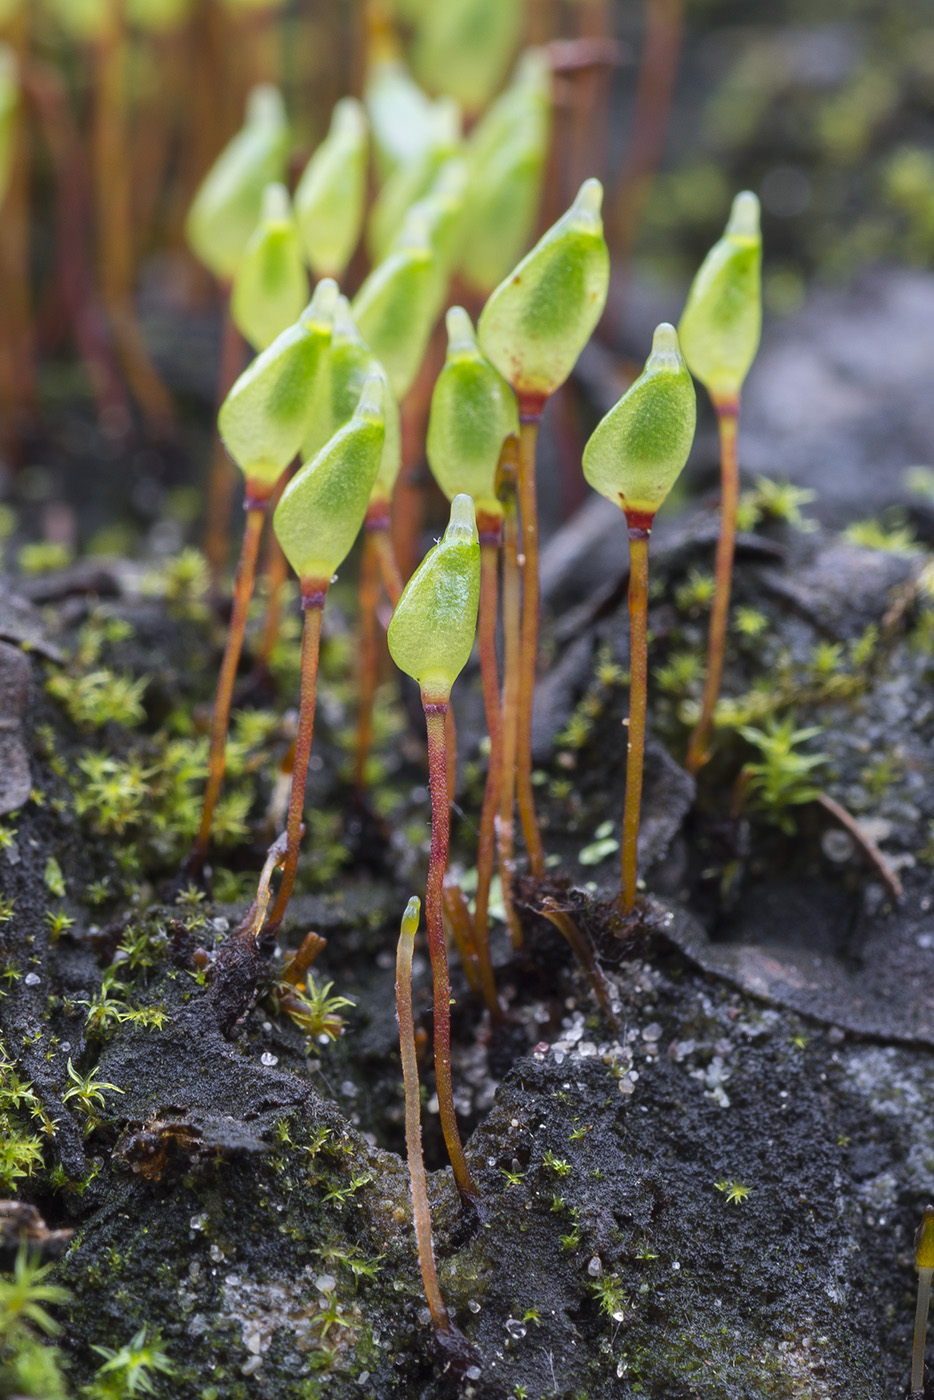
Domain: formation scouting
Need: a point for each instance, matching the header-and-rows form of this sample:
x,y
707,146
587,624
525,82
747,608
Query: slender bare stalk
x,y
461,926
727,420
638,686
413,1125
313,596
512,628
530,412
490,531
435,715
243,591
275,577
368,660
921,1327
584,951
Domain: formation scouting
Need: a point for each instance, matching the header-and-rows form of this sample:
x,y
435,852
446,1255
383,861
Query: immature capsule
x,y
330,196
722,320
270,285
265,417
431,633
323,506
637,452
9,106
226,207
464,47
473,411
395,307
412,179
539,319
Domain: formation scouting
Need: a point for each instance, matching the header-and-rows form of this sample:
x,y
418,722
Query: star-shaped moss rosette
x,y
430,637
533,328
634,457
331,194
226,207
316,522
270,285
719,332
473,411
395,307
262,423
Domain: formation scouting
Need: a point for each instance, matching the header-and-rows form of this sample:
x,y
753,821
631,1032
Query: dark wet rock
x,y
15,779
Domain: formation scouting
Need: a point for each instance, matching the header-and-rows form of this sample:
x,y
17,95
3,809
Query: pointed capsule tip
x,y
461,334
348,115
410,917
371,396
415,233
744,215
264,103
323,301
589,200
277,207
665,339
345,327
463,523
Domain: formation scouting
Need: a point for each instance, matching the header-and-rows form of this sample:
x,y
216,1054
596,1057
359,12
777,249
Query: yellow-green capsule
x,y
265,417
537,321
158,16
412,179
9,107
464,47
323,506
401,115
722,320
431,633
349,362
270,286
527,98
330,196
252,7
395,307
473,411
637,452
84,20
9,9
226,207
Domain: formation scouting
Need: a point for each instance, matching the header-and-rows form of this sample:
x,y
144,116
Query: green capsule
x,y
473,411
84,20
158,16
395,307
412,179
722,320
252,7
265,417
464,47
401,115
431,632
270,286
349,363
637,452
539,319
9,108
9,9
331,194
502,206
226,207
527,98
323,506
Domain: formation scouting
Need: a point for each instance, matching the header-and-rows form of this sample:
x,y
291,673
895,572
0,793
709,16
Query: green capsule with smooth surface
x,y
464,47
412,179
401,115
157,16
473,411
637,452
270,286
265,417
537,321
330,196
227,205
349,362
395,307
323,506
84,20
527,98
722,320
9,108
431,633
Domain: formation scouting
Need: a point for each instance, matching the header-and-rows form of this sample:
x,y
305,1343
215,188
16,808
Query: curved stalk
x,y
313,596
638,686
413,1124
243,591
435,716
530,416
727,421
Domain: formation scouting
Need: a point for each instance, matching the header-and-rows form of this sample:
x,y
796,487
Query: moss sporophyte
x,y
431,635
924,1263
533,327
329,197
270,286
263,422
634,457
719,332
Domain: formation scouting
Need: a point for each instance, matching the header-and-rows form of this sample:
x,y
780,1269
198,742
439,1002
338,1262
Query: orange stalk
x,y
512,628
530,417
638,684
490,529
727,420
220,486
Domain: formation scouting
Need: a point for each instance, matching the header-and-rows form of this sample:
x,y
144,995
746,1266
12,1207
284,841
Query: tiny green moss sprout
x,y
129,1370
315,1011
784,776
892,538
270,286
44,557
634,456
227,205
87,1093
538,320
735,1192
330,196
100,697
25,1294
